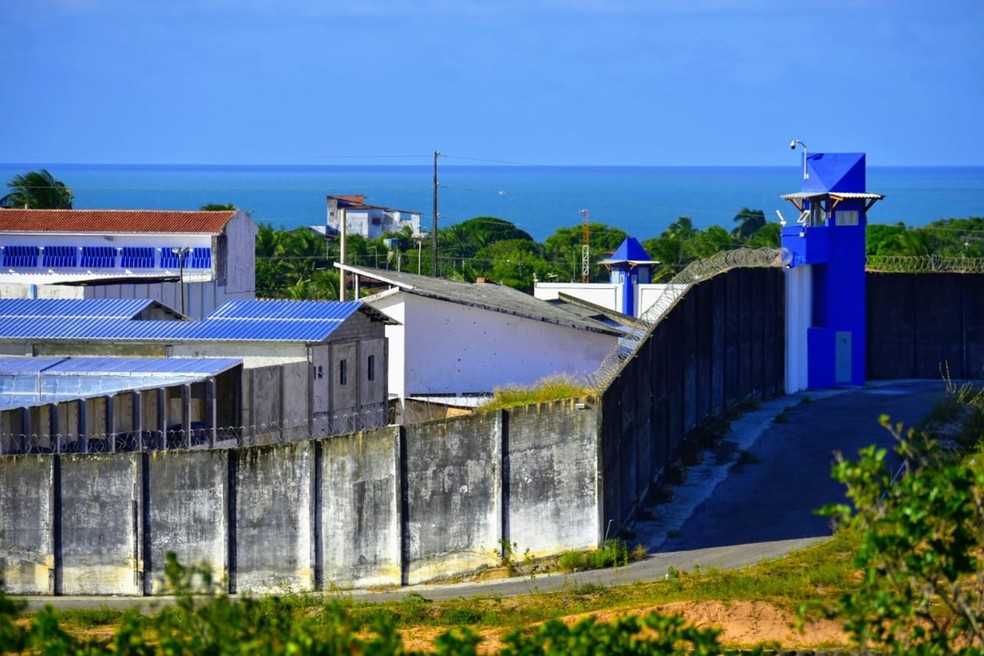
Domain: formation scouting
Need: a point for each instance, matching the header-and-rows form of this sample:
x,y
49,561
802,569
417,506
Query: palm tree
x,y
749,222
37,190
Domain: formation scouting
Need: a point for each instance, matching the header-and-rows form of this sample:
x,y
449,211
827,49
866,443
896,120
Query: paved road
x,y
726,514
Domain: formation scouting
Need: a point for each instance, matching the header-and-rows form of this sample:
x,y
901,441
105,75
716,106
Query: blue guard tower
x,y
628,267
825,297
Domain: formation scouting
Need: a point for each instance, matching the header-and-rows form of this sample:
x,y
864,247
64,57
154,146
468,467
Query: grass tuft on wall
x,y
551,388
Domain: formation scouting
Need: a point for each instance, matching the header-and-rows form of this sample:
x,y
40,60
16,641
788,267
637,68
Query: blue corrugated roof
x,y
120,308
28,381
139,366
286,310
264,321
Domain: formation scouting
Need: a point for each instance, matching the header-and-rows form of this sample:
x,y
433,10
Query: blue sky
x,y
578,82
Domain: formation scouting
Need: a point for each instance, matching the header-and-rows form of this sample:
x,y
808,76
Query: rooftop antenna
x,y
585,246
792,146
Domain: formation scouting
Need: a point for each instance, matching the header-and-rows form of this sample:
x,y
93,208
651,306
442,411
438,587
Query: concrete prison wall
x,y
387,507
721,343
921,325
402,504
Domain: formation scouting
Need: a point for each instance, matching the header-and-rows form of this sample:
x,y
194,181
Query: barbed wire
x,y
197,437
695,272
924,264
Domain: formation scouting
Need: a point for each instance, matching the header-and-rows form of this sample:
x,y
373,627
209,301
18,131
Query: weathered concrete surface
x,y
100,525
454,492
27,497
551,489
273,543
361,509
187,511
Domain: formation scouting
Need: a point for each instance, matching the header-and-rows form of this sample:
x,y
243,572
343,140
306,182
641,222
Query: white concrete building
x,y
370,221
630,289
456,340
191,261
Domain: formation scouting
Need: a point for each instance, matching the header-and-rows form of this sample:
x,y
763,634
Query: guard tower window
x,y
342,373
846,218
371,368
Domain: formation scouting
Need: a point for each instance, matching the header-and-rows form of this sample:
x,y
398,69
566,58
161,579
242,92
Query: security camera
x,y
792,145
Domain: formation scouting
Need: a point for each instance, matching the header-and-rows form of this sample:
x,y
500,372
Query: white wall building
x,y
630,289
191,261
456,339
370,221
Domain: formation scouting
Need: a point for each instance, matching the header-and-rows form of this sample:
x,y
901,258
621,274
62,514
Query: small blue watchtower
x,y
628,267
825,306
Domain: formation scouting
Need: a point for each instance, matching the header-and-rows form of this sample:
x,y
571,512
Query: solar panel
x,y
201,258
169,259
20,256
59,257
137,257
98,257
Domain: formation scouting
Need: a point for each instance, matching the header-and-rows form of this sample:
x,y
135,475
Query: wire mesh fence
x,y
197,436
695,272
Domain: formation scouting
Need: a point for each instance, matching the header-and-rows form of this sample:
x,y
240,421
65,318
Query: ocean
x,y
642,201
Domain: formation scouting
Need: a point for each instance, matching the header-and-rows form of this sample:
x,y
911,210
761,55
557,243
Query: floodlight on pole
x,y
181,252
792,146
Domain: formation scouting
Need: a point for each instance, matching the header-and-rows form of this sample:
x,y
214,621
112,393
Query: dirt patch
x,y
742,624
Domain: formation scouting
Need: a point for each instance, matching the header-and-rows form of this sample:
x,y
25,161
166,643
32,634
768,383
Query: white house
x,y
456,340
193,261
370,221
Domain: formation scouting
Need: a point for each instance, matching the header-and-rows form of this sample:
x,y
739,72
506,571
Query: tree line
x,y
300,263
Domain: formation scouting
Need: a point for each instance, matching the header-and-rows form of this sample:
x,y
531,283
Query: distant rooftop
x,y
114,221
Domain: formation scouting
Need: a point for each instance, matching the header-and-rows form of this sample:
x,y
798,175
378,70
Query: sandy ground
x,y
742,624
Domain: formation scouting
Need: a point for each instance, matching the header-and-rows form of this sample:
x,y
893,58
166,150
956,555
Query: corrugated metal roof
x,y
79,320
114,221
195,367
70,308
285,310
28,381
24,365
806,195
489,296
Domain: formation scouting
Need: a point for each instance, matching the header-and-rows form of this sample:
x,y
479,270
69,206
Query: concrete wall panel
x,y
454,487
27,499
552,492
101,557
361,509
265,395
187,511
296,396
274,518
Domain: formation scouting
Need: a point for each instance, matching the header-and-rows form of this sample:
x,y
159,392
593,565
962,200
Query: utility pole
x,y
585,247
434,227
181,252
